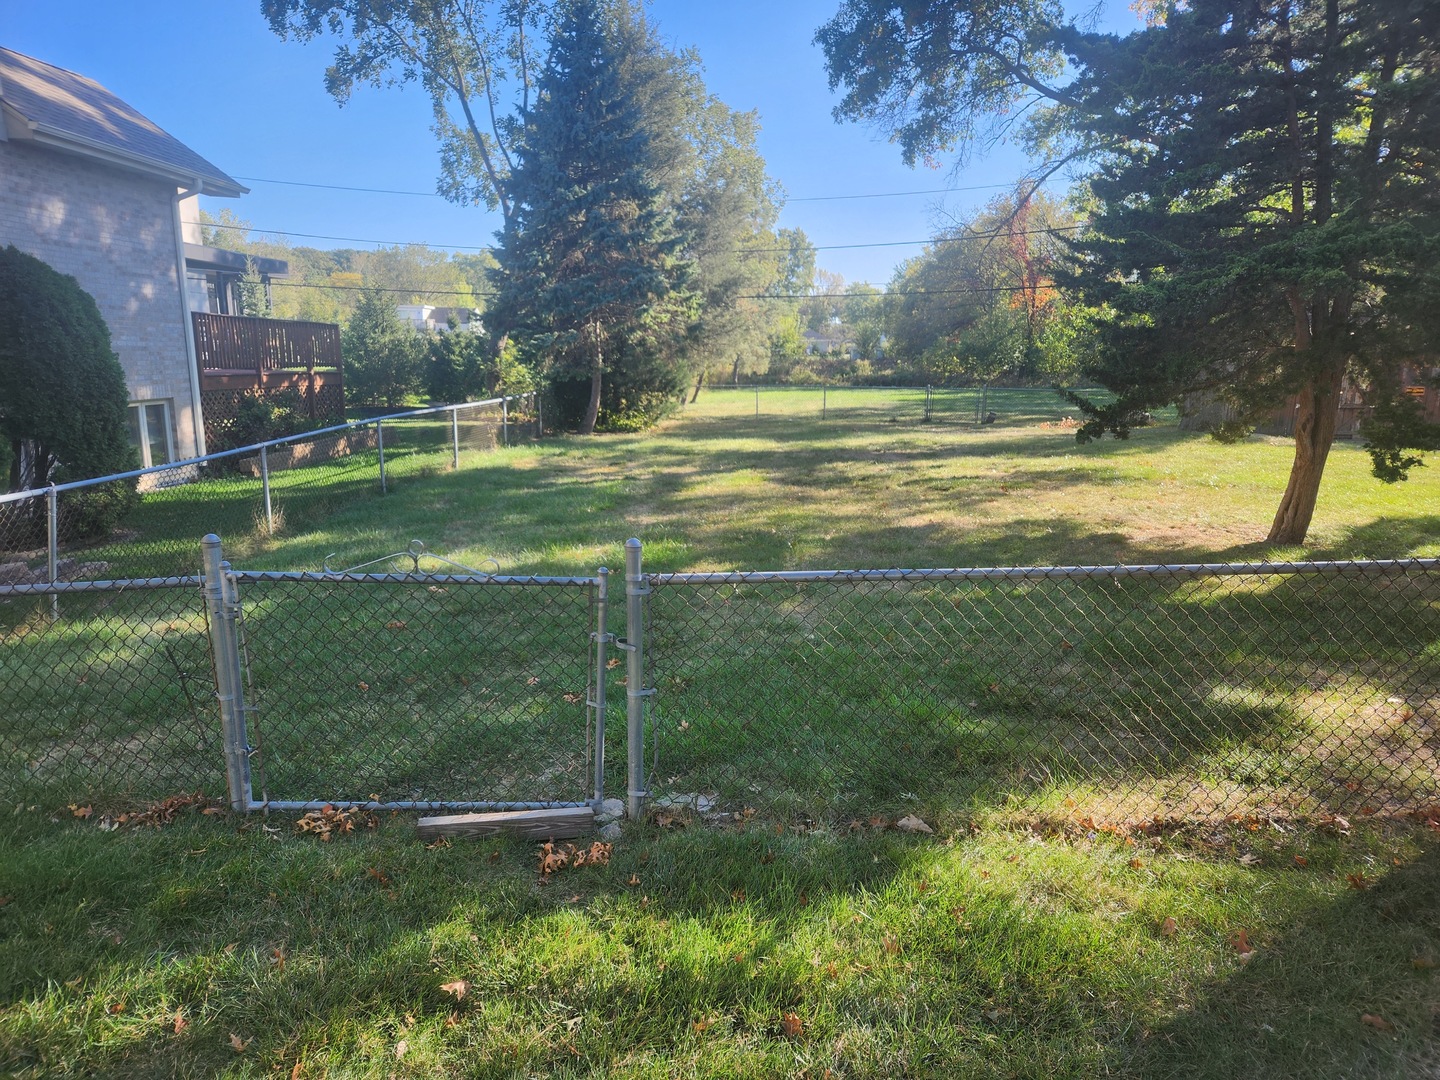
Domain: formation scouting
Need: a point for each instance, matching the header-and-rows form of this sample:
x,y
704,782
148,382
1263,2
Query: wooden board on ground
x,y
556,824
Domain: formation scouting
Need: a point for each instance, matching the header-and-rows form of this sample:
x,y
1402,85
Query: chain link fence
x,y
1117,693
251,495
1121,693
971,406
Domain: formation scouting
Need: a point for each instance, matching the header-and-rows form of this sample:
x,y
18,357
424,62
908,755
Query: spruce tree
x,y
589,263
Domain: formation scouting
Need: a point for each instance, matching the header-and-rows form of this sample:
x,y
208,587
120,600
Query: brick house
x,y
93,188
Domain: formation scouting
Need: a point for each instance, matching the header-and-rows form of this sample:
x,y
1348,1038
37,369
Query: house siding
x,y
114,231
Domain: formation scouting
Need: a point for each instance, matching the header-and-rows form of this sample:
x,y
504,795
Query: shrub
x,y
62,393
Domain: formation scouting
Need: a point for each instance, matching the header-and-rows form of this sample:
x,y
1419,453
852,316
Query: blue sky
x,y
211,73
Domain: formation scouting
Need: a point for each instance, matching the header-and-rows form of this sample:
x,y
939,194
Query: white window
x,y
150,432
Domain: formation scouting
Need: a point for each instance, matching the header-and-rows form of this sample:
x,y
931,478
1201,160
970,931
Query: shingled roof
x,y
60,109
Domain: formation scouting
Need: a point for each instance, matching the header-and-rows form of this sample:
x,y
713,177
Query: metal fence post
x,y
602,595
265,486
505,418
636,692
539,420
455,437
380,442
927,404
824,401
757,403
221,607
52,546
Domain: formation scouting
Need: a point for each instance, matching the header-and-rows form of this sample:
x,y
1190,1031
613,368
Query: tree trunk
x,y
699,382
1316,415
592,410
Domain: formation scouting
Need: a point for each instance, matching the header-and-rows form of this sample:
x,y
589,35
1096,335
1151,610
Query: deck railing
x,y
245,343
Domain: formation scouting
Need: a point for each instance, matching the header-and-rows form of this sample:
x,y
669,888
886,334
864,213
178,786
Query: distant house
x,y
96,190
439,319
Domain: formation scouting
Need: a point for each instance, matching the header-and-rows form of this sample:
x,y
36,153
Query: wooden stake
x,y
557,824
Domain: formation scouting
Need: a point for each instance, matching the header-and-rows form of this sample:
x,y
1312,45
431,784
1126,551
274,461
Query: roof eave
x,y
216,184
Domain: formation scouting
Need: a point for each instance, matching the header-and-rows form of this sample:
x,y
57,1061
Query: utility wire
x,y
800,199
742,251
981,290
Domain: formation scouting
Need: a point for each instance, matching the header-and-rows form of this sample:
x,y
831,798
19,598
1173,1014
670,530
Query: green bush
x,y
62,394
384,358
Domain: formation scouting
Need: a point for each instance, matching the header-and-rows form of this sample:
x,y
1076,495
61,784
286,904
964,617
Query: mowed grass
x,y
757,946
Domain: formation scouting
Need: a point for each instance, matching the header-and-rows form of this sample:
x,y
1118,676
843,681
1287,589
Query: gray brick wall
x,y
114,231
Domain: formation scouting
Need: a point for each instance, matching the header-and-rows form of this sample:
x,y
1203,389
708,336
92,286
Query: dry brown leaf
x,y
701,1025
891,944
791,1026
1358,881
180,1023
395,624
1243,947
912,824
115,1008
634,880
1379,1023
1168,928
1300,860
1422,963
1136,864
81,811
457,987
400,1048
364,686
238,1044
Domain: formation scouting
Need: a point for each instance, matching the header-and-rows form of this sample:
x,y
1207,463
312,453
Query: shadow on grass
x,y
334,954
1296,1009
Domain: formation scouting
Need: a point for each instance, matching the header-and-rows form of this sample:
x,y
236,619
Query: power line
x,y
983,290
743,251
798,199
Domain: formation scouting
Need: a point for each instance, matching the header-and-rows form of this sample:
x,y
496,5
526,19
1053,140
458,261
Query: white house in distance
x,y
92,187
439,319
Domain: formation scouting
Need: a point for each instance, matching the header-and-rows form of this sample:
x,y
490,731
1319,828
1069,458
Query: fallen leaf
x,y
1379,1023
364,686
180,1023
400,1048
458,987
295,1072
573,699
1136,864
277,957
790,1026
1300,860
1249,859
81,811
612,663
115,1008
1422,963
912,824
634,880
395,624
238,1044
1358,881
701,1025
1168,928
533,680
891,944
1243,947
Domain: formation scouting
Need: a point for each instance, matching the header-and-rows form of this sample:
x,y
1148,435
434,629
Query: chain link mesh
x,y
116,701
1118,696
417,690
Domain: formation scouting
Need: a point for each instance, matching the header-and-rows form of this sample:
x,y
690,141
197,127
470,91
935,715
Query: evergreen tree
x,y
589,266
1266,214
384,358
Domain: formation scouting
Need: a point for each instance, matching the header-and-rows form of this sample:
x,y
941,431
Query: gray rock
x,y
612,832
609,810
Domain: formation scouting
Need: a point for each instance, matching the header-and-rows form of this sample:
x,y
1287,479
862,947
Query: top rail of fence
x,y
343,578
1030,573
895,387
171,466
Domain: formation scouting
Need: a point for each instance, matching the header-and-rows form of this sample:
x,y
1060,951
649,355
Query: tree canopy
x,y
1264,217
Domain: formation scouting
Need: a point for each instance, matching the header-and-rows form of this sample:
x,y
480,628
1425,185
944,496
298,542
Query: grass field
x,y
765,944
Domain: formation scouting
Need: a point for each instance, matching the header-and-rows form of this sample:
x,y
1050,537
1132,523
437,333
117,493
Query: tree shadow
x,y
1297,1009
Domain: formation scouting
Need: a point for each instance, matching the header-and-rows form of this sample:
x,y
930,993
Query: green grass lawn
x,y
785,942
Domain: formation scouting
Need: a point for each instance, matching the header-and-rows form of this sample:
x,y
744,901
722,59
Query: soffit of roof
x,y
70,112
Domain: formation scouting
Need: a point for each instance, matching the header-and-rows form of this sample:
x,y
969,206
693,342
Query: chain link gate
x,y
403,689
